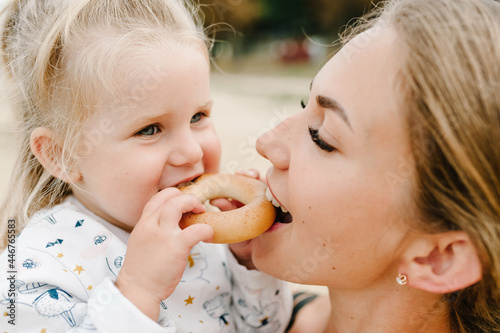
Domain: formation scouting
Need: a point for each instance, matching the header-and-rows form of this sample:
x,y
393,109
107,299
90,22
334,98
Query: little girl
x,y
114,103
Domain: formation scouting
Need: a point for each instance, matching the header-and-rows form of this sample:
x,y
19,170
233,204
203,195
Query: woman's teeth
x,y
275,202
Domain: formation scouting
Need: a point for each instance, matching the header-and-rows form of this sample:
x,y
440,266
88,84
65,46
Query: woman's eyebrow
x,y
333,105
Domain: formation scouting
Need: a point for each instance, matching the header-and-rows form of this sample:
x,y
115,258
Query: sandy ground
x,y
245,106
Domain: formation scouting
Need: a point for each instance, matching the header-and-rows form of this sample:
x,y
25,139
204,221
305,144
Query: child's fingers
x,y
196,233
158,200
171,212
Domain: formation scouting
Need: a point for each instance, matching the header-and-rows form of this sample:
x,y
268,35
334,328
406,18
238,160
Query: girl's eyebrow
x,y
155,117
207,105
331,104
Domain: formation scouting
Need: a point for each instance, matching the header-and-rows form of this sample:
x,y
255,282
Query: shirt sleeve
x,y
261,303
50,298
109,311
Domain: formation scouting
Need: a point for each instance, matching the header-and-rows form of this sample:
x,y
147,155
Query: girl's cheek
x,y
215,150
211,161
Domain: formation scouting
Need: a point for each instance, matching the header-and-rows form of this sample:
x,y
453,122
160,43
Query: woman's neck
x,y
390,310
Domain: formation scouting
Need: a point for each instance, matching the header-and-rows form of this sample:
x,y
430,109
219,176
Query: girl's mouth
x,y
282,215
187,181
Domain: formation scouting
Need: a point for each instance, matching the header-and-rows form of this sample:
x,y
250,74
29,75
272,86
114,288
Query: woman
x,y
391,174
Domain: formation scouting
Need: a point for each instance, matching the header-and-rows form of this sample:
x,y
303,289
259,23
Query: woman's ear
x,y
47,150
442,263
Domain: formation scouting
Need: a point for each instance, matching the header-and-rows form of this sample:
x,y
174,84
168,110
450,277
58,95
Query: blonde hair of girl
x,y
451,79
59,57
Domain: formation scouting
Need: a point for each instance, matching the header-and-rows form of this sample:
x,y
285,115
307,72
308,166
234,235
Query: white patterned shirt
x,y
67,258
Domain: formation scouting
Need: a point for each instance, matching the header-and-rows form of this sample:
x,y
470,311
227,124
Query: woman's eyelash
x,y
318,141
303,104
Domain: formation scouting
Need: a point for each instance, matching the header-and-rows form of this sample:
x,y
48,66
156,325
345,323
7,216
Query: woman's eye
x,y
303,104
197,117
149,130
318,141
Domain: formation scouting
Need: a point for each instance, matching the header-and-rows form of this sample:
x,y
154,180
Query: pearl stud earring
x,y
402,279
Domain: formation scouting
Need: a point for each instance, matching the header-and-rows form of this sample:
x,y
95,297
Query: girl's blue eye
x,y
197,117
149,130
319,141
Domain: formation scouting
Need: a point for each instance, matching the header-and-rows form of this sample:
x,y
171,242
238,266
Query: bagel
x,y
247,222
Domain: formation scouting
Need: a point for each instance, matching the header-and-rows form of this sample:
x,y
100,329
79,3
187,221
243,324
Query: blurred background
x,y
282,33
265,55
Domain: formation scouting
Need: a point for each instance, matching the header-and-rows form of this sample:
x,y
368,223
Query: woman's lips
x,y
283,217
282,214
276,226
273,200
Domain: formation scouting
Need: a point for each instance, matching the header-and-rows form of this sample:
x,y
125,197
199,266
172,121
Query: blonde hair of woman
x,y
452,80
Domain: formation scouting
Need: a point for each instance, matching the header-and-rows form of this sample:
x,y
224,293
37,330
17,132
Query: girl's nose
x,y
187,151
275,145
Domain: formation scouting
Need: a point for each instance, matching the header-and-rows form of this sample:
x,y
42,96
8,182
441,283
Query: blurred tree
x,y
240,14
332,14
284,18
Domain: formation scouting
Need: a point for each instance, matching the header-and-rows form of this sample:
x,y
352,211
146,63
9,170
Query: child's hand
x,y
243,253
158,249
242,250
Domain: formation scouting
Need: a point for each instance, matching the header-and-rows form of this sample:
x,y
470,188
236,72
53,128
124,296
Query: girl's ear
x,y
47,150
442,263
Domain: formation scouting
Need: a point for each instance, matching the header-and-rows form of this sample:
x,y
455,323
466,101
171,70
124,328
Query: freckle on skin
x,y
303,222
333,268
309,207
324,245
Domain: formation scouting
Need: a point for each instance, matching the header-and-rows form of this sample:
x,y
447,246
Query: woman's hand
x,y
158,249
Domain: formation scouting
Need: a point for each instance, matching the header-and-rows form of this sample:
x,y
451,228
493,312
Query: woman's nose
x,y
275,145
187,151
